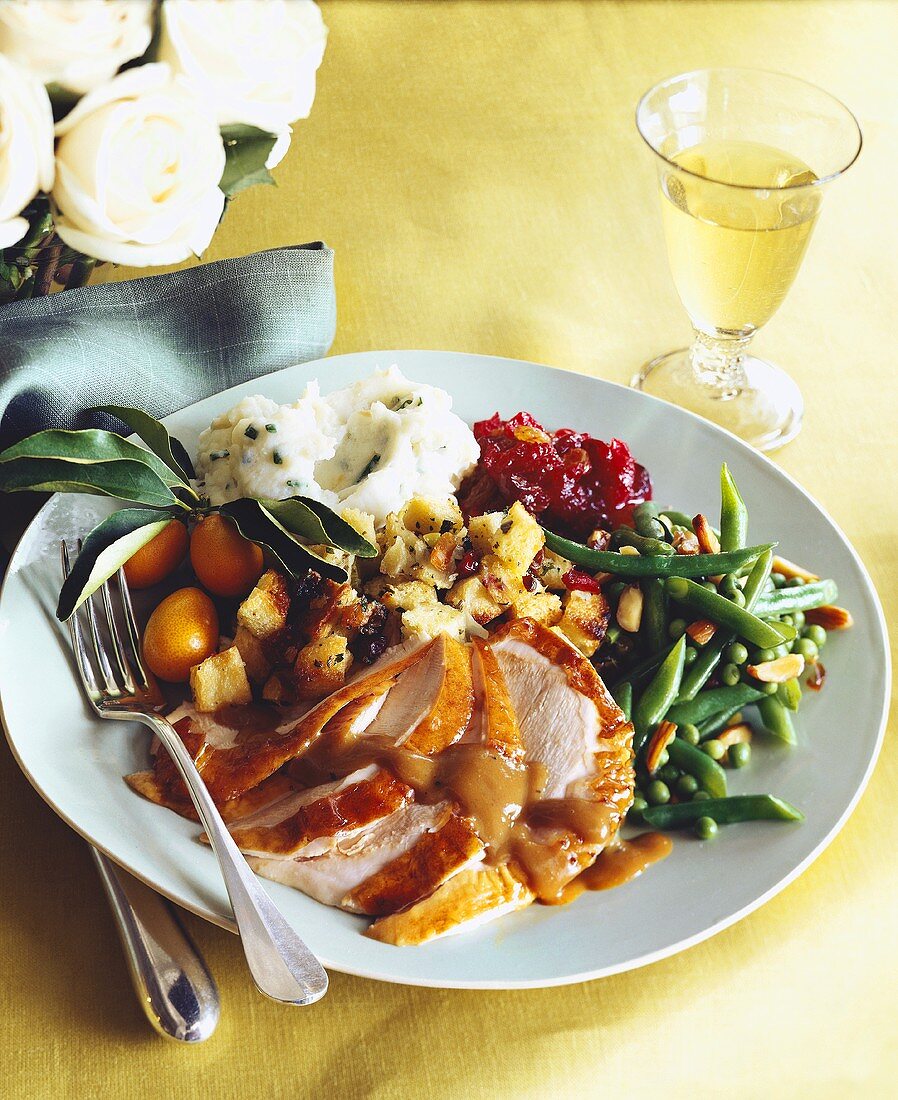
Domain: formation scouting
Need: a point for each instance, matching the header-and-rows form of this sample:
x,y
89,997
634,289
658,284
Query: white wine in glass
x,y
738,212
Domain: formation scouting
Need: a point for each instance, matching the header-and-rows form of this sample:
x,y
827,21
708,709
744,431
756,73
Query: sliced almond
x,y
661,738
599,539
778,671
830,617
629,551
701,631
684,542
707,540
790,569
734,734
629,609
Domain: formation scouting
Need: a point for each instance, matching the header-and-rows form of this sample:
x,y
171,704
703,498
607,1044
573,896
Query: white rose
x,y
26,147
76,43
138,165
254,62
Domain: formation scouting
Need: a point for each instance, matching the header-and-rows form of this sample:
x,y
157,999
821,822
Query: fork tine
x,y
85,669
112,685
131,626
124,669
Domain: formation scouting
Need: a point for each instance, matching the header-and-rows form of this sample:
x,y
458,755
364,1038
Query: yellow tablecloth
x,y
477,170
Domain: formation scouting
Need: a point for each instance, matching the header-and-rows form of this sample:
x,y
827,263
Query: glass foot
x,y
765,411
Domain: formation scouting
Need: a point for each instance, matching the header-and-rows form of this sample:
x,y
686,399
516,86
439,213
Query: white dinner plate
x,y
77,763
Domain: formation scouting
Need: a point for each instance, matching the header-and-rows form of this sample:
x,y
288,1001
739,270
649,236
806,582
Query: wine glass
x,y
743,158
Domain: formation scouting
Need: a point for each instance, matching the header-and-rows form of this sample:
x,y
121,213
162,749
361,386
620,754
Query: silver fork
x,y
119,687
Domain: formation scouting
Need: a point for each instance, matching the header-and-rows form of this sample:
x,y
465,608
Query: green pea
x,y
700,796
737,653
638,808
787,620
710,585
738,598
781,650
794,582
767,689
714,749
706,828
778,579
816,634
739,755
798,620
687,785
663,757
762,656
657,793
677,628
730,675
689,733
808,649
729,585
690,656
668,774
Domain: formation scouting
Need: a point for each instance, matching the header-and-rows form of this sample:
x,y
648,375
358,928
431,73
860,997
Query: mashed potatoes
x,y
371,446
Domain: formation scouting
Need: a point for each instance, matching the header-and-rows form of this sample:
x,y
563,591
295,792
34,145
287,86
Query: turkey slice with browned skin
x,y
272,790
581,740
329,878
468,900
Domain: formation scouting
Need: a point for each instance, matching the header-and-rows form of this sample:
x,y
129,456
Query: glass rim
x,y
759,72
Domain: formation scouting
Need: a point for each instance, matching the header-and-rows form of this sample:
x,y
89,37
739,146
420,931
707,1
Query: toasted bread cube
x,y
363,522
410,594
483,531
399,558
585,620
424,516
472,596
220,681
429,620
264,611
551,570
255,657
321,667
542,607
519,538
502,582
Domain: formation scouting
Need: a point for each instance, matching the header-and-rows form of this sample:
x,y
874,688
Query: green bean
x,y
711,702
653,704
719,721
783,601
646,522
698,764
776,719
623,696
725,811
672,565
789,694
654,613
679,518
725,613
733,513
651,547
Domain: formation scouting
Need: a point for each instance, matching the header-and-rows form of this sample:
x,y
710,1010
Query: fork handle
x,y
173,984
282,967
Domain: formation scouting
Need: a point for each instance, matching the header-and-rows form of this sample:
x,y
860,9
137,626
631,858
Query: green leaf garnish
x,y
89,448
109,545
314,521
255,522
246,151
126,479
170,450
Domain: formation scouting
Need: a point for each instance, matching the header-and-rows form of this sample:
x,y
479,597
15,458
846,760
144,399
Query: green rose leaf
x,y
316,522
172,452
256,523
126,479
246,150
89,447
109,545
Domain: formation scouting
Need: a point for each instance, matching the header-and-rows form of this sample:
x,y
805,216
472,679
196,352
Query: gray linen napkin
x,y
163,341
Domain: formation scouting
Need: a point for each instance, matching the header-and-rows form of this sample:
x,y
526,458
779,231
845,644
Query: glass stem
x,y
718,362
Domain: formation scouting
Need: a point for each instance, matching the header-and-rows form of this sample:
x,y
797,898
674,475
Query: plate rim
x,y
566,979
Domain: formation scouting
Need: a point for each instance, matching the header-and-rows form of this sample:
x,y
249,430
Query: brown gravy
x,y
619,863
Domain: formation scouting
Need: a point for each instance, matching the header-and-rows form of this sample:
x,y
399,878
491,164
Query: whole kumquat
x,y
224,561
181,632
160,557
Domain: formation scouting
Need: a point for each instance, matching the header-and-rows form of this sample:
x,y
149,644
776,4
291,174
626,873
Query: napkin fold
x,y
163,341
